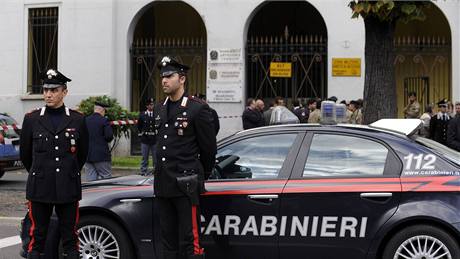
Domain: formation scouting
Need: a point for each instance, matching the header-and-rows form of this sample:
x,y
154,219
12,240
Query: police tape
x,y
123,122
10,127
134,122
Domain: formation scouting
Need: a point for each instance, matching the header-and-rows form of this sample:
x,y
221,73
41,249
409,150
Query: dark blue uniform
x,y
146,129
53,149
186,146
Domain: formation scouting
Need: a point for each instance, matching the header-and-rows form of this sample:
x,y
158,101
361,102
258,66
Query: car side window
x,y
259,157
341,155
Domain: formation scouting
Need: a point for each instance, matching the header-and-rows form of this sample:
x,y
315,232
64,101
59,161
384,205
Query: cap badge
x,y
165,60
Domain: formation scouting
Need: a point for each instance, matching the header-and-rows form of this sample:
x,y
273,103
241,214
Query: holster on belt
x,y
188,184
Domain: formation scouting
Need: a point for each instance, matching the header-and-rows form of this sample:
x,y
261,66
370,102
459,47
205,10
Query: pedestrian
x,y
412,109
99,161
315,111
281,114
53,149
439,123
268,113
301,112
186,156
251,116
426,117
356,115
453,130
146,131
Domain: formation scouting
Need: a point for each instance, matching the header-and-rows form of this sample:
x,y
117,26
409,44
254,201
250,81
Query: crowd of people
x,y
442,125
309,111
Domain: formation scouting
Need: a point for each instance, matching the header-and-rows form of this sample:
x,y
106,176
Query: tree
x,y
380,18
113,113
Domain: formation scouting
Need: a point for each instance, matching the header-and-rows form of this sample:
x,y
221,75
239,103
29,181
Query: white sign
x,y
224,92
225,55
225,73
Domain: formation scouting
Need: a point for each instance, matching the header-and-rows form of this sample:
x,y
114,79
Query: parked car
x,y
299,191
9,144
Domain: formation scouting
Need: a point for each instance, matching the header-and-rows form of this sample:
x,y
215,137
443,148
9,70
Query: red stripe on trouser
x,y
32,229
196,242
75,226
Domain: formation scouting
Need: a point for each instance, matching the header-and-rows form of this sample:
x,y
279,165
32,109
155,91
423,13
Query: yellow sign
x,y
346,67
280,69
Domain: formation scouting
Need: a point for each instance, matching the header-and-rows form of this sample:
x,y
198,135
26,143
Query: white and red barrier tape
x,y
10,127
125,122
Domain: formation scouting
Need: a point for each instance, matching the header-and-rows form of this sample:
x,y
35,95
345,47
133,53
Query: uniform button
x,y
57,158
57,170
163,159
33,173
166,125
56,147
166,136
56,137
164,147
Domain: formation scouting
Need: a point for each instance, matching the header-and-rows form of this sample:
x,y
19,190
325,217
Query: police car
x,y
9,144
299,191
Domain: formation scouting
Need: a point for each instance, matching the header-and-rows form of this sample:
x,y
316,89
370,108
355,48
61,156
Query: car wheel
x,y
422,242
101,237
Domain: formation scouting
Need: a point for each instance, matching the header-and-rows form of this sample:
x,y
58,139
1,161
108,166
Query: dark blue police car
x,y
9,144
299,191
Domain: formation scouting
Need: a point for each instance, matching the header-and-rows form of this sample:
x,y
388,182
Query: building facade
x,y
237,49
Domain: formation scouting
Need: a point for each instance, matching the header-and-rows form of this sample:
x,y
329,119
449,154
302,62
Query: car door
x,y
241,206
344,187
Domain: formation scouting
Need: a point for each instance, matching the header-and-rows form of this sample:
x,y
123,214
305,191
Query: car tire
x,y
405,244
110,237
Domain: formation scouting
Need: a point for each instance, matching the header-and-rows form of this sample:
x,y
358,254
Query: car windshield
x,y
439,148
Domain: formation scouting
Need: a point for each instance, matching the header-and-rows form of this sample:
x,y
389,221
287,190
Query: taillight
x,y
2,139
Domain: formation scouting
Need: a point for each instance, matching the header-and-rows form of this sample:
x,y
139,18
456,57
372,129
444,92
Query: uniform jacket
x,y
53,158
215,120
453,133
186,143
315,116
146,127
412,110
302,114
100,133
438,128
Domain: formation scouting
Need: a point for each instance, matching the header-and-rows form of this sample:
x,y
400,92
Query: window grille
x,y
42,45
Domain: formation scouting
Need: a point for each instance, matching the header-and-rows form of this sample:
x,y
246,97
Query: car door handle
x,y
376,194
130,200
379,197
263,197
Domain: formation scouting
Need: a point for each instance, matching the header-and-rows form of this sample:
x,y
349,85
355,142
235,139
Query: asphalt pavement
x,y
13,208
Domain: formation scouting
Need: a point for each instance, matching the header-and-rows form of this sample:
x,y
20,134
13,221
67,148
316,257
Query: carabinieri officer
x,y
53,149
186,149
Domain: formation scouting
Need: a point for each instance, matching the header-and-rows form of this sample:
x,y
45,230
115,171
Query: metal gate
x,y
307,55
419,85
423,63
145,79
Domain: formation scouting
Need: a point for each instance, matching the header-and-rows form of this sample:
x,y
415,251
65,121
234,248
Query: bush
x,y
114,112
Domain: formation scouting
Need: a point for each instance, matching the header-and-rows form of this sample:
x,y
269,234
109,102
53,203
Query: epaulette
x,y
196,99
34,110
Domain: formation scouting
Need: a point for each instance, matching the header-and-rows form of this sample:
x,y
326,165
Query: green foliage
x,y
114,112
389,11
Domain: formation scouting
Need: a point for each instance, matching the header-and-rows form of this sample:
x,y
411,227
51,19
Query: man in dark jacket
x,y
439,123
53,149
186,155
99,162
252,118
146,129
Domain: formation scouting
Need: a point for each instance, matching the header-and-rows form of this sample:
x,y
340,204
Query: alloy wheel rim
x,y
422,247
97,242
